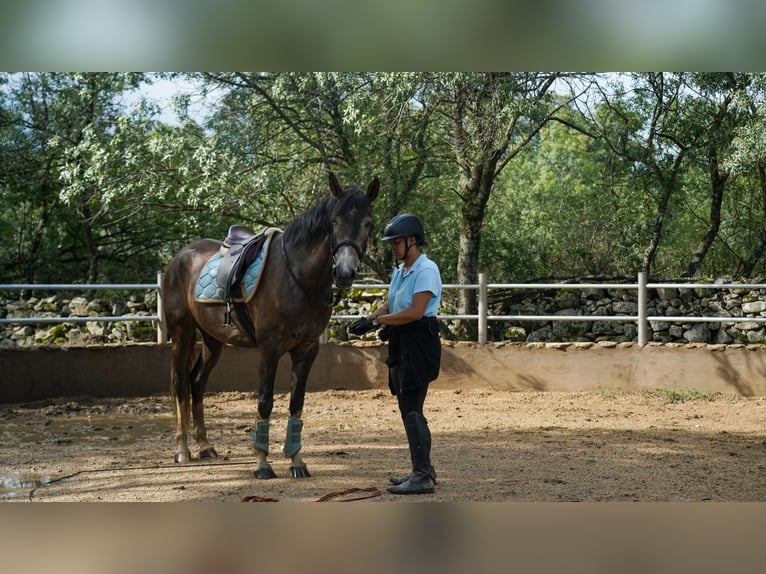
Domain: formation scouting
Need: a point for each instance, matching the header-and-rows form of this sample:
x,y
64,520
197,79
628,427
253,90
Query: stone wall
x,y
78,333
599,303
595,303
662,302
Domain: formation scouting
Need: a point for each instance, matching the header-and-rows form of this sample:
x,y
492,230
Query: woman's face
x,y
398,247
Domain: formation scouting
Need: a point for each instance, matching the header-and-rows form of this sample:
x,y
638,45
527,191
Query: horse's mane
x,y
316,222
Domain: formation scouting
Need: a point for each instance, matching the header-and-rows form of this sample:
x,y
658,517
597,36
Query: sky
x,y
163,91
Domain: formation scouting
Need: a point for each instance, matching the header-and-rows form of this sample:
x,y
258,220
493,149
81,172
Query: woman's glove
x,y
361,326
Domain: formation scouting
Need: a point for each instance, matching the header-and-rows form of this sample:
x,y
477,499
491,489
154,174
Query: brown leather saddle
x,y
240,248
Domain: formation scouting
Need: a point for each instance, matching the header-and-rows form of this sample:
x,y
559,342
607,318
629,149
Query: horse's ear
x,y
335,187
373,189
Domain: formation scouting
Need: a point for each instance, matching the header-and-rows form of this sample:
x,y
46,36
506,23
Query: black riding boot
x,y
406,477
419,438
432,470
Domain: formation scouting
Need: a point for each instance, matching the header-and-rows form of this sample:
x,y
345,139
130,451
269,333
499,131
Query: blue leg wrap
x,y
293,438
260,436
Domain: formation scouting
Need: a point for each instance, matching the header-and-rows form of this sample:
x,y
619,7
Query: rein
x,y
295,278
334,246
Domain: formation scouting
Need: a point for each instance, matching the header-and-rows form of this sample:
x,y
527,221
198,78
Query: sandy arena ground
x,y
488,445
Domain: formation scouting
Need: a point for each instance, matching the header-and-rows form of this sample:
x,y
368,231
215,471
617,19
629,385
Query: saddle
x,y
240,248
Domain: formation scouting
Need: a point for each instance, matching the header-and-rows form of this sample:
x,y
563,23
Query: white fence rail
x,y
642,319
157,318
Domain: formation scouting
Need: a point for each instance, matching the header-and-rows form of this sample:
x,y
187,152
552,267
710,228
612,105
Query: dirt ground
x,y
488,445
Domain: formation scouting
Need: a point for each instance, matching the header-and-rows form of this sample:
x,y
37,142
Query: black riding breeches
x,y
412,401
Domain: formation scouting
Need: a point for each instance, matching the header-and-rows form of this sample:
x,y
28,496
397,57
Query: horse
x,y
289,311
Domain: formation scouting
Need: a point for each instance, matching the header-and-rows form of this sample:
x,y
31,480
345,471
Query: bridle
x,y
334,246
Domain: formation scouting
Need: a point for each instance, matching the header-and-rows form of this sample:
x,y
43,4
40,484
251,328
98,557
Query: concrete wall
x,y
32,374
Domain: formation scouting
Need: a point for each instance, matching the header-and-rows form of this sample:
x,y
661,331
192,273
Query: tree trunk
x,y
718,184
669,181
91,245
475,191
760,248
651,251
30,262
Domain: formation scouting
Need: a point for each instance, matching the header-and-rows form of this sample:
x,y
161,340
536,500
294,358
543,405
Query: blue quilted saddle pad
x,y
207,289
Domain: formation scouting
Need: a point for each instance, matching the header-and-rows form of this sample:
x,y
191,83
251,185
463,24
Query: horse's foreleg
x,y
293,446
211,352
260,437
260,432
301,366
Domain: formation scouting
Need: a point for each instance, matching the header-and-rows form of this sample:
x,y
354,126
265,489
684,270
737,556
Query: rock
x,y
758,336
625,308
699,333
78,307
667,294
754,307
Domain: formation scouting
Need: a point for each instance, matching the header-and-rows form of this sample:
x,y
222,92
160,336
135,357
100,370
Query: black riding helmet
x,y
404,225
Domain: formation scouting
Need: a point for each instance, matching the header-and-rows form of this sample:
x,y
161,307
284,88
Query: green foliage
x,y
94,188
607,392
555,214
682,395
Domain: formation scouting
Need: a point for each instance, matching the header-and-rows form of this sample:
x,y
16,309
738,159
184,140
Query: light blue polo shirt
x,y
424,275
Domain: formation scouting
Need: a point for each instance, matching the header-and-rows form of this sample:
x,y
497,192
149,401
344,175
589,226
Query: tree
x,y
555,210
650,125
47,116
492,117
748,158
718,119
288,129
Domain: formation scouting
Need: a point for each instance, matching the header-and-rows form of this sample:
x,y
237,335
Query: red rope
x,y
372,492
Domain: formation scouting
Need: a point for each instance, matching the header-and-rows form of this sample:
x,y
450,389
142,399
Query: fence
x,y
642,319
161,333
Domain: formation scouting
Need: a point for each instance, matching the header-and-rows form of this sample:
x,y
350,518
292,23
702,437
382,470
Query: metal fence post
x,y
162,333
642,309
482,308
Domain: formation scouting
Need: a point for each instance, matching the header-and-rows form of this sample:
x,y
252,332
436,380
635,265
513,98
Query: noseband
x,y
334,246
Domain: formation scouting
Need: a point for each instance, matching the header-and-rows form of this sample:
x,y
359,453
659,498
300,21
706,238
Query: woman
x,y
408,318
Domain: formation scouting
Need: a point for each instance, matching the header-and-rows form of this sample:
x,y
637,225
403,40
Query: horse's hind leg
x,y
211,352
181,349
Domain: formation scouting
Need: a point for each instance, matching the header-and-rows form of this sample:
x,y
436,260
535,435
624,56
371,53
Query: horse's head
x,y
351,224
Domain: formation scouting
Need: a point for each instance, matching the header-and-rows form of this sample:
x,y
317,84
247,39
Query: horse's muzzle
x,y
344,269
343,276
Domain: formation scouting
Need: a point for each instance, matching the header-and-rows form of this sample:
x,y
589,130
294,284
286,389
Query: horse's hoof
x,y
183,457
265,473
300,471
209,452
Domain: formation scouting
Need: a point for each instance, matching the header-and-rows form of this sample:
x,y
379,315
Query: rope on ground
x,y
371,492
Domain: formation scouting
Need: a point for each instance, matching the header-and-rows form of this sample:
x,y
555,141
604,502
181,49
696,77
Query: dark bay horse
x,y
289,311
